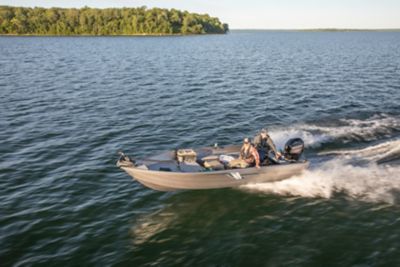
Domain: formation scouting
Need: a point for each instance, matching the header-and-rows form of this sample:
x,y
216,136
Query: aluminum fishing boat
x,y
202,169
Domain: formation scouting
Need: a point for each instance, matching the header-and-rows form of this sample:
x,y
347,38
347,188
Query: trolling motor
x,y
125,160
293,149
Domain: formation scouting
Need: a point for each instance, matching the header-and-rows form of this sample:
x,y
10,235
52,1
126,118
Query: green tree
x,y
109,21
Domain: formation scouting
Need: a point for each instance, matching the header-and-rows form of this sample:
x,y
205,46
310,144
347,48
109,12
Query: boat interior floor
x,y
208,159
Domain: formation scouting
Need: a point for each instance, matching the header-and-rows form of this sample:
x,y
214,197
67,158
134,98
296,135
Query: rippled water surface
x,y
67,105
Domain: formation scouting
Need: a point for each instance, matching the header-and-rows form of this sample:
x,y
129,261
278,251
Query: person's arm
x,y
256,157
241,152
272,146
257,140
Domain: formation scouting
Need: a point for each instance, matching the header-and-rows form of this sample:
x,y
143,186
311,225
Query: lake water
x,y
68,104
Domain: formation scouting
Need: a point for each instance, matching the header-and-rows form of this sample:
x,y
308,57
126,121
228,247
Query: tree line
x,y
109,21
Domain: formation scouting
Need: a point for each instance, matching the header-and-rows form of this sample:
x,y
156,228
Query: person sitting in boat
x,y
248,156
264,145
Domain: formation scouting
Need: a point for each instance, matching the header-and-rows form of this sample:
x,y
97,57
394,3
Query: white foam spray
x,y
372,183
354,172
348,130
383,152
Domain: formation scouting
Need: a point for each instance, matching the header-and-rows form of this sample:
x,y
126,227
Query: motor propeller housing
x,y
293,149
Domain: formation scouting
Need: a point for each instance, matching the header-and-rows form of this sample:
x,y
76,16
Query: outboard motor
x,y
293,149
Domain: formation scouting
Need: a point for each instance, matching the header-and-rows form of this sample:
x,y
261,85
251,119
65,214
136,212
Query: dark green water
x,y
68,105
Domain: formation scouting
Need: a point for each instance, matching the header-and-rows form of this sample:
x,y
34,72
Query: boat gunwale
x,y
263,168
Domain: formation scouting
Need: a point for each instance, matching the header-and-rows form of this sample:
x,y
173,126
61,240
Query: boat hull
x,y
171,181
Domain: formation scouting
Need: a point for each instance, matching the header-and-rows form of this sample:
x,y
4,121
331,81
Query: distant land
x,y
349,30
109,21
323,30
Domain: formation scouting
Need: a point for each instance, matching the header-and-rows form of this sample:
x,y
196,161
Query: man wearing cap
x,y
264,144
248,156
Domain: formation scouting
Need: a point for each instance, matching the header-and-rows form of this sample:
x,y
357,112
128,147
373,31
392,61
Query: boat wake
x,y
369,173
386,152
371,183
344,131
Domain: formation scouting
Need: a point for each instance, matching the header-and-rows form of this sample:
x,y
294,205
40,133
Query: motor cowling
x,y
294,148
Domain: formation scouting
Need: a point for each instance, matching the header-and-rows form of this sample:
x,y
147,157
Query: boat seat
x,y
190,167
210,157
214,164
203,152
164,166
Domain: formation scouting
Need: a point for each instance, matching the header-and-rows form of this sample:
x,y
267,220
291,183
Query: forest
x,y
109,21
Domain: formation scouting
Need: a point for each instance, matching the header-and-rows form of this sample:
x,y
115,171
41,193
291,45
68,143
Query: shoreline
x,y
109,35
322,30
197,34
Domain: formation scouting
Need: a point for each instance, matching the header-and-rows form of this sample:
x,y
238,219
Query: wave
x,y
381,153
344,130
371,183
369,173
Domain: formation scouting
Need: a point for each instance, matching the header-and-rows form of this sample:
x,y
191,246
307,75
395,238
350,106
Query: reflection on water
x,y
148,226
235,227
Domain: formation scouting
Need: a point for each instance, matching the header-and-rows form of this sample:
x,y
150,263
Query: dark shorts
x,y
262,154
